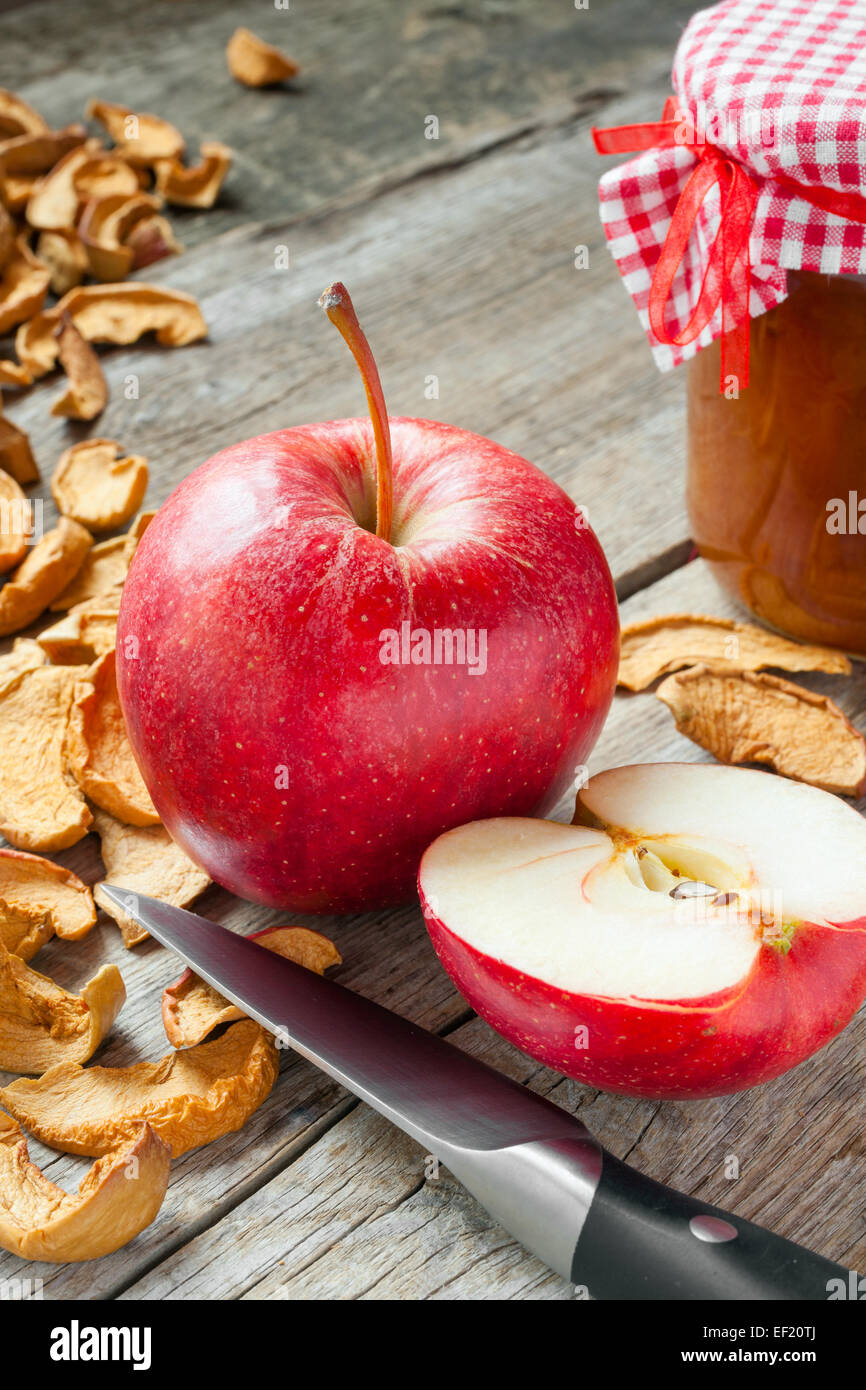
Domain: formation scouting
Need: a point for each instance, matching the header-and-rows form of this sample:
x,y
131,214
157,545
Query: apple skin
x,y
248,656
788,1007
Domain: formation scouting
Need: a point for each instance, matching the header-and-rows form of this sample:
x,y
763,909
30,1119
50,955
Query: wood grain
x,y
460,256
372,72
313,1208
465,278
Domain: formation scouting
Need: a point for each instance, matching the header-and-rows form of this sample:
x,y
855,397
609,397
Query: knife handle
x,y
621,1235
642,1240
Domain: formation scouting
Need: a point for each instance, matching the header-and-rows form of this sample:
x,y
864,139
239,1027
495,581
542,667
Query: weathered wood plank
x,y
449,275
357,1216
354,1217
389,958
373,71
467,286
464,273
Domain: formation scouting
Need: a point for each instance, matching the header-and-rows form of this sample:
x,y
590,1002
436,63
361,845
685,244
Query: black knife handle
x,y
642,1240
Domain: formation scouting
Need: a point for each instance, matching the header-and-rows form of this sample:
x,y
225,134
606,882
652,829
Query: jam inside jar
x,y
777,478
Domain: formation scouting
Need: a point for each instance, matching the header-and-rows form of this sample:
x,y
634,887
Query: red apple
x,y
326,658
702,931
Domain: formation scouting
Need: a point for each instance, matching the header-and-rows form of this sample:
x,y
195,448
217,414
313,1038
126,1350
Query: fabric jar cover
x,y
757,167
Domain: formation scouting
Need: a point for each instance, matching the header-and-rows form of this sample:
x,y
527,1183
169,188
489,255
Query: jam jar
x,y
776,485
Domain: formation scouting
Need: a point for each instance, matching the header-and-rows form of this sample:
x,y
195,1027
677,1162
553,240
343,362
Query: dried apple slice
x,y
657,646
42,1025
16,190
7,235
189,1098
132,237
746,717
35,885
86,175
51,564
17,117
196,186
104,227
103,570
16,523
41,805
140,137
191,1008
23,286
14,374
118,1198
118,314
98,485
38,151
256,63
24,930
103,573
88,631
29,881
16,456
55,199
26,655
151,239
144,859
61,251
38,900
98,751
137,530
86,394
104,175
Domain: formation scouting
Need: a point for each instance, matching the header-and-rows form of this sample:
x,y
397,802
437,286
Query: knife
x,y
613,1232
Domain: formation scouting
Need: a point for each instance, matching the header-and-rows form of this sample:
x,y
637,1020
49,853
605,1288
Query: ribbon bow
x,y
728,273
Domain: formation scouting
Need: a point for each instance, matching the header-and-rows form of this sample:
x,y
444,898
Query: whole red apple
x,y
700,930
339,640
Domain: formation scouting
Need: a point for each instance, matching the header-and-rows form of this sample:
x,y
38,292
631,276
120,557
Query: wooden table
x,y
460,256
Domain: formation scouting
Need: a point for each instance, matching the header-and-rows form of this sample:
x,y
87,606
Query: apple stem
x,y
341,311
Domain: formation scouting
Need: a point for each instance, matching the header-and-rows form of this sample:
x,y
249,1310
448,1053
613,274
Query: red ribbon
x,y
728,273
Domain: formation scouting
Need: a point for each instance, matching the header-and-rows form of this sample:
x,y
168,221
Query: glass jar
x,y
777,478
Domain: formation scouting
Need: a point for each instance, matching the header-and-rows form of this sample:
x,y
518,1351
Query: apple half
x,y
697,930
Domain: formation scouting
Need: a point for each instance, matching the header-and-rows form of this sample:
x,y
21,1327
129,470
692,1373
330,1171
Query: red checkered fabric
x,y
779,86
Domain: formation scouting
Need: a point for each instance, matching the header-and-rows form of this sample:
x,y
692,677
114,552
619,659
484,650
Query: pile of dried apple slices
x,y
723,698
133,1120
697,930
72,208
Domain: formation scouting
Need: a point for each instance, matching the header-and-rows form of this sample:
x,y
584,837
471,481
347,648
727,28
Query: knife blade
x,y
613,1232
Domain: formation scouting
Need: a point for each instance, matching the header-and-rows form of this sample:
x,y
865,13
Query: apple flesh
x,y
277,661
701,929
